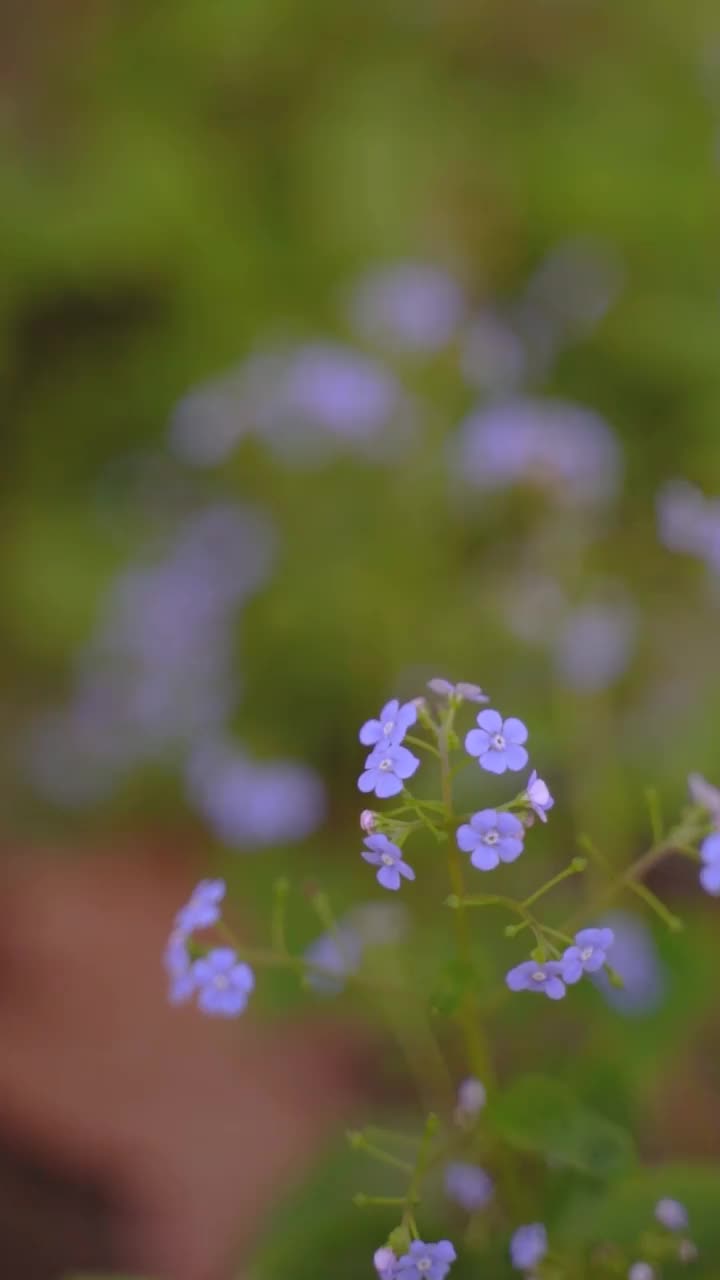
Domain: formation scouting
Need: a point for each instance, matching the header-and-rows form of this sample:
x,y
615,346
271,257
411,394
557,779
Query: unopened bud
x,y
368,820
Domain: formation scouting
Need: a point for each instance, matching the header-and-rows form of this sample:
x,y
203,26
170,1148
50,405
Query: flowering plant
x,y
480,1132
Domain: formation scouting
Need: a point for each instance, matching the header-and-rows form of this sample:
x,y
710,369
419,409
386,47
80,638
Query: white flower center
x,y
491,837
385,765
388,727
586,953
424,1263
388,859
498,742
221,981
539,976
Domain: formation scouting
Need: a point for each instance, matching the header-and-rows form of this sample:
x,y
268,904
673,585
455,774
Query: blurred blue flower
x,y
710,873
393,724
497,743
381,852
538,796
561,448
566,297
493,356
203,909
595,644
409,306
339,954
588,955
491,838
703,793
636,960
528,1246
534,976
641,1271
426,1261
179,968
689,523
253,804
671,1214
386,769
224,983
468,1186
471,1098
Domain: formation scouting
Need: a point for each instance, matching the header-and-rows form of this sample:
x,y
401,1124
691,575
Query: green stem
x,y
425,746
281,889
576,866
359,1142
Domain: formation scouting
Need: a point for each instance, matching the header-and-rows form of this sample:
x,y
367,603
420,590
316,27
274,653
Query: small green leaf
x,y
542,1116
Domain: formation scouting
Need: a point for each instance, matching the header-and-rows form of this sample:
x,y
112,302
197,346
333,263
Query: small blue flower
x,y
588,955
641,1271
498,743
426,1261
491,838
463,691
534,976
179,968
671,1214
203,909
471,1098
384,1261
335,957
468,1186
538,796
386,768
381,852
710,874
224,982
390,729
528,1246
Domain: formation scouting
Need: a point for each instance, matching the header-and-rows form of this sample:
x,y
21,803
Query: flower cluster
x,y
672,1216
218,979
421,1262
588,954
389,764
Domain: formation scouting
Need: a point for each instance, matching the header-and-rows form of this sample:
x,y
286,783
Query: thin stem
x,y
359,1143
651,899
362,1201
424,746
281,889
576,866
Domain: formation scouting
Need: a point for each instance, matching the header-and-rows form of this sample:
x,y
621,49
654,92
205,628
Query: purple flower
x,y
636,959
710,874
411,306
596,643
386,768
588,955
179,968
426,1261
671,1214
384,1263
535,976
538,796
490,838
381,852
224,982
703,793
468,1185
334,957
641,1271
471,1099
390,729
528,1246
463,691
498,743
203,909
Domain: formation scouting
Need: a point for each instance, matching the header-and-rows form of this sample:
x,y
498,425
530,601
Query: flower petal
x,y
490,721
386,785
466,838
555,988
510,849
370,733
516,757
389,878
366,781
494,761
515,731
485,859
477,742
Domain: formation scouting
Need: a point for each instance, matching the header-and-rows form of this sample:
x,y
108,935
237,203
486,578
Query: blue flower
x,y
334,957
393,724
468,1185
426,1261
471,1098
710,874
386,768
381,852
179,968
538,797
534,976
223,982
671,1214
462,691
588,955
384,1261
497,743
641,1271
528,1246
203,909
490,838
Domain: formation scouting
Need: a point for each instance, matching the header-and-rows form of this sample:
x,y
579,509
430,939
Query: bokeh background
x,y
342,347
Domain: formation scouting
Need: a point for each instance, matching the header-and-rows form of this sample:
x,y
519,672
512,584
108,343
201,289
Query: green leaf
x,y
543,1116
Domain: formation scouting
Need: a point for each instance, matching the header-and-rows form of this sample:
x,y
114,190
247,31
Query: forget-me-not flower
x,y
386,769
426,1261
468,1186
671,1214
203,909
491,838
471,1098
588,955
392,725
178,967
384,1262
710,873
532,975
641,1271
538,796
381,852
497,743
462,690
224,982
